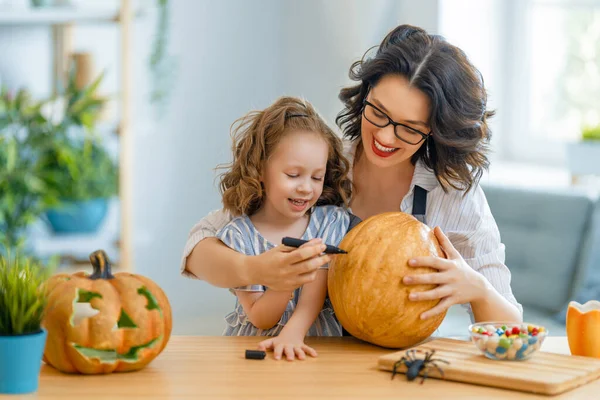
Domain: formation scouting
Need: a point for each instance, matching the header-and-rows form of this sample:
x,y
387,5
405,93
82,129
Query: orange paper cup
x,y
583,328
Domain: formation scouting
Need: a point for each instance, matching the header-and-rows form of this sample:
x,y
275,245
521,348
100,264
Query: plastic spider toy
x,y
414,365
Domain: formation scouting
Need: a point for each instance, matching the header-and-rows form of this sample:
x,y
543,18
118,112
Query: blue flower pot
x,y
78,216
20,362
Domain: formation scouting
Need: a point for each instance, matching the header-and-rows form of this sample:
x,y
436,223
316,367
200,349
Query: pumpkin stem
x,y
101,265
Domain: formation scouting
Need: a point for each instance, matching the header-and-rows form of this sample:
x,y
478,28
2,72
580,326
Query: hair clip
x,y
296,115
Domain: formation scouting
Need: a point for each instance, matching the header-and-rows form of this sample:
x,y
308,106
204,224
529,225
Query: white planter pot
x,y
583,158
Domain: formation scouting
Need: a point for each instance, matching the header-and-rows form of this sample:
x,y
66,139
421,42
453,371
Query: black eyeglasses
x,y
403,132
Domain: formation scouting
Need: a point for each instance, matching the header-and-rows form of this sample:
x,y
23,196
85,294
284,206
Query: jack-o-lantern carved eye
x,y
82,308
152,303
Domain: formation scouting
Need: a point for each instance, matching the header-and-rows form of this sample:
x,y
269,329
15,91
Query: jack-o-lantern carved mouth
x,y
110,356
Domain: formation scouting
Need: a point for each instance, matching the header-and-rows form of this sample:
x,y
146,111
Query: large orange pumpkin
x,y
365,286
102,323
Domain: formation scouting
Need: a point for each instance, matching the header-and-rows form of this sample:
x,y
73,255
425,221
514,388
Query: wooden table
x,y
215,368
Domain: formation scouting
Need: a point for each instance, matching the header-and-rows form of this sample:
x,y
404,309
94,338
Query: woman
x,y
416,124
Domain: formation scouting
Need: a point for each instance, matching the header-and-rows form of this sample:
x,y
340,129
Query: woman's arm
x,y
458,283
491,306
205,232
282,268
212,261
264,309
474,273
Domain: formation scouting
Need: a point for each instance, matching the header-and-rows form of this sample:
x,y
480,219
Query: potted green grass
x,y
22,339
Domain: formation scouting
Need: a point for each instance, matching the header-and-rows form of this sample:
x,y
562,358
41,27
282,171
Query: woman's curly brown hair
x,y
255,137
457,149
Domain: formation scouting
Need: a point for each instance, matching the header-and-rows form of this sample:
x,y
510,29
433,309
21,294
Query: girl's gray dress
x,y
327,222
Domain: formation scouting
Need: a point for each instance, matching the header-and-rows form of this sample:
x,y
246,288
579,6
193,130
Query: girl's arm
x,y
312,298
264,309
290,341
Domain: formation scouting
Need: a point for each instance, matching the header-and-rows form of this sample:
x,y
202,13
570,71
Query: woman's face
x,y
395,98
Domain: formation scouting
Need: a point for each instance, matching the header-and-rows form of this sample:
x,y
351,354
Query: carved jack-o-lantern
x,y
102,323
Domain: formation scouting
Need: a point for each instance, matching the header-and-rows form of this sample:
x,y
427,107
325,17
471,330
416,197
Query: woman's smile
x,y
381,150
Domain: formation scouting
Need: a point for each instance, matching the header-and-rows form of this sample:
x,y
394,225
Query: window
x,y
541,61
559,90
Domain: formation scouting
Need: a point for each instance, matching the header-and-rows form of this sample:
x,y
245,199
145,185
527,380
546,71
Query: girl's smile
x,y
298,204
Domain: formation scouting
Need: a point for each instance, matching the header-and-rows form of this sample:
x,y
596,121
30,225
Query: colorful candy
x,y
507,342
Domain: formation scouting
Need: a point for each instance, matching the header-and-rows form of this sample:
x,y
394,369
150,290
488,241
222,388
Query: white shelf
x,y
58,15
76,246
79,246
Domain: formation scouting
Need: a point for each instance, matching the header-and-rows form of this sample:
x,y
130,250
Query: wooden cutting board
x,y
543,373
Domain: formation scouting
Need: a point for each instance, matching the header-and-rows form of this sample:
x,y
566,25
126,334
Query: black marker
x,y
255,354
293,242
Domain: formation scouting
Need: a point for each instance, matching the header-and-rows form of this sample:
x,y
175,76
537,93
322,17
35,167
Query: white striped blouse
x,y
329,223
465,219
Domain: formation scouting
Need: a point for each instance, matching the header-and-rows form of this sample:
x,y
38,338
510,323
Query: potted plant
x,y
22,338
83,174
25,185
85,178
582,156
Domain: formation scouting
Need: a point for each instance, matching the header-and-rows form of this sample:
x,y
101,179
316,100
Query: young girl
x,y
288,177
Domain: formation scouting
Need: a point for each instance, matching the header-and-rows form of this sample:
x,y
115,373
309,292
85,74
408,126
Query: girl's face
x,y
293,175
393,97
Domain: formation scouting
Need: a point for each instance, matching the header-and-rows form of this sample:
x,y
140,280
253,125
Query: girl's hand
x,y
289,344
457,282
286,268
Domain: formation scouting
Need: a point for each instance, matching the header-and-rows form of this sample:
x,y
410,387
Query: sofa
x,y
552,240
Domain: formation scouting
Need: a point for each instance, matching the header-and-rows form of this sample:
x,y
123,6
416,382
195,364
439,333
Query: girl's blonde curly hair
x,y
255,137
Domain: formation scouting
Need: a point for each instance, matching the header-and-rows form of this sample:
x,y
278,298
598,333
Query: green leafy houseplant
x,y
81,171
41,164
26,187
22,295
80,167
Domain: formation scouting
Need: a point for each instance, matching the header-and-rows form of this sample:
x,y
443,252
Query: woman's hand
x,y
288,343
457,282
286,268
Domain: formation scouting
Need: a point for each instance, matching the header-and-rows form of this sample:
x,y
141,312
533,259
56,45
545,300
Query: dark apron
x,y
418,211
